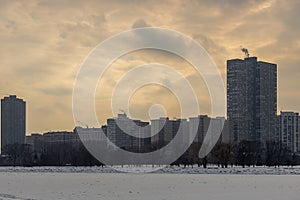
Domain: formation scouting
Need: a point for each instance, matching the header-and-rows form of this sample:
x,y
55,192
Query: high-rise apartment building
x,y
120,131
165,130
252,99
13,121
288,131
201,124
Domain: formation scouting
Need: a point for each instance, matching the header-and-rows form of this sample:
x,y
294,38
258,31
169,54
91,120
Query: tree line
x,y
244,153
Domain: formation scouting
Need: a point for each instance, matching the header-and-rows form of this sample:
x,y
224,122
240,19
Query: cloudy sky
x,y
44,42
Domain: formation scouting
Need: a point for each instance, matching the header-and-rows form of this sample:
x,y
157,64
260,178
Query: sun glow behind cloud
x,y
44,42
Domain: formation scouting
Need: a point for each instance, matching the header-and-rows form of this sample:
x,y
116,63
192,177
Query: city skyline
x,y
42,48
174,117
199,97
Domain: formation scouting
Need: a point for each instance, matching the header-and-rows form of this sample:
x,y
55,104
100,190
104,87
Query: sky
x,y
44,43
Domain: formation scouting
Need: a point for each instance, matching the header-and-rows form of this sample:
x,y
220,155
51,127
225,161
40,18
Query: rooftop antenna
x,y
247,55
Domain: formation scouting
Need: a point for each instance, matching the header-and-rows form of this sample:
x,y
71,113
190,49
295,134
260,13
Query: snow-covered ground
x,y
154,186
165,170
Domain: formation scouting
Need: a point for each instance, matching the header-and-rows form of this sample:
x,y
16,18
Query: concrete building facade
x,y
252,99
13,121
288,131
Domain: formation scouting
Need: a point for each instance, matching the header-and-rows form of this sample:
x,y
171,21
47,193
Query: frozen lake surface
x,y
63,183
169,170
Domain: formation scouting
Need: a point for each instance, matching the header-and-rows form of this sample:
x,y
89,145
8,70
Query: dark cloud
x,y
209,44
140,23
98,20
237,5
56,91
61,3
63,35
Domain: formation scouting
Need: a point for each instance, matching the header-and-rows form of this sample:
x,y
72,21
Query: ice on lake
x,y
87,183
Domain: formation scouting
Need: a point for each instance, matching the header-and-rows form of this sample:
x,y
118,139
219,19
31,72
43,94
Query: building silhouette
x,y
163,130
13,121
119,130
201,123
252,99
